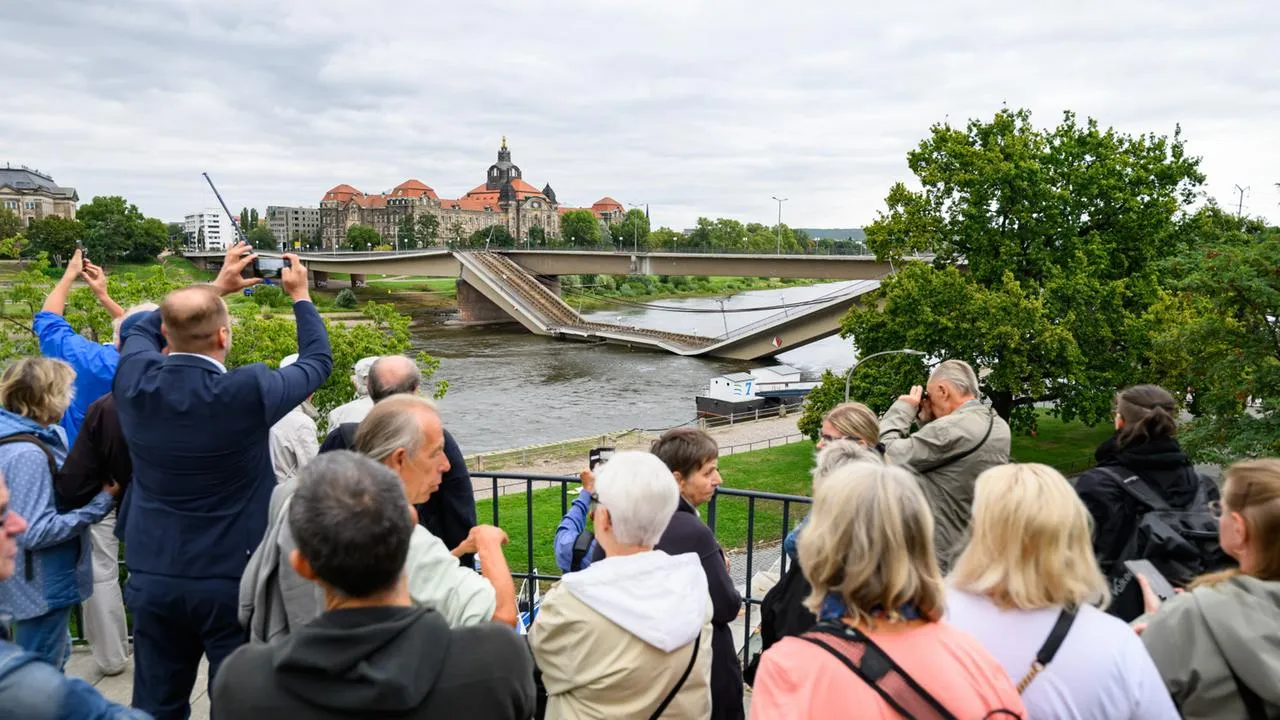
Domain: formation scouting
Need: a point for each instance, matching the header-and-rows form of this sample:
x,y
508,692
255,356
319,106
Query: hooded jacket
x,y
1161,463
1198,638
935,451
54,566
380,662
614,639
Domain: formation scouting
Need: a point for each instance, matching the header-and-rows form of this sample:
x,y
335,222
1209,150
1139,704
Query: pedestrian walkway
x,y
119,688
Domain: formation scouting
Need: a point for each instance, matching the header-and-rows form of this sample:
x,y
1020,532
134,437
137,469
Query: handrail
x,y
835,295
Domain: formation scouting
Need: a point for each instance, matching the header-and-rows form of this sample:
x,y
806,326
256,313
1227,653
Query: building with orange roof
x,y
504,199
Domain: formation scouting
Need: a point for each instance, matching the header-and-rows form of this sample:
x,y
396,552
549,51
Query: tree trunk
x,y
1002,403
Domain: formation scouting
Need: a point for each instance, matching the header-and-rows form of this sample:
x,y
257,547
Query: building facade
x,y
505,199
294,227
33,195
209,230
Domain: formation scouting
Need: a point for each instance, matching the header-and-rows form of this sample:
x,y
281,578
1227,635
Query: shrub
x,y
269,296
346,300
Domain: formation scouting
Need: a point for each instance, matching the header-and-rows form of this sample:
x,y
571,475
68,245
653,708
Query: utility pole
x,y
1240,202
780,201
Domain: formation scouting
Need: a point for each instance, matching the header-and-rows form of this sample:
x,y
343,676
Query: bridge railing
x,y
809,306
843,250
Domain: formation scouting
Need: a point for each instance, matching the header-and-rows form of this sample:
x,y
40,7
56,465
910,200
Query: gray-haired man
x,y
956,439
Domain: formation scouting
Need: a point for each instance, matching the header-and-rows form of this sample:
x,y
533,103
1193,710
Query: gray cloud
x,y
692,106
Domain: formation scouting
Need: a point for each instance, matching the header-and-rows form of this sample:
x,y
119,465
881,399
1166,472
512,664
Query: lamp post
x,y
635,231
849,375
780,201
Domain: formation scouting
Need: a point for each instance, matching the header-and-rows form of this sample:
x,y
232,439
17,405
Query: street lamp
x,y
635,232
780,201
849,375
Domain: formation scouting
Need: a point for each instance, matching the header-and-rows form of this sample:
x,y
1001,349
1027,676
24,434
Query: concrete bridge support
x,y
474,307
319,279
358,280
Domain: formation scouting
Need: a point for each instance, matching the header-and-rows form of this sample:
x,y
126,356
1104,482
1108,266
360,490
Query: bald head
x,y
195,320
394,375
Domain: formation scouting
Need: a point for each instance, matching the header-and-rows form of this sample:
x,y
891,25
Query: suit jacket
x,y
198,436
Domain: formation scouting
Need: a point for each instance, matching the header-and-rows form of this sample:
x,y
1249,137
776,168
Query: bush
x,y
346,300
269,296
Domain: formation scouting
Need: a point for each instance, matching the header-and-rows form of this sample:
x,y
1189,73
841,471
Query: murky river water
x,y
508,388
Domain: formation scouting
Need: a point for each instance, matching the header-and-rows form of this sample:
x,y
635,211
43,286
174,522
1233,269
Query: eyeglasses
x,y
832,438
1216,509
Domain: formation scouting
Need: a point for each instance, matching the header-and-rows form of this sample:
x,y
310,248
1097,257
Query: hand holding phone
x,y
598,457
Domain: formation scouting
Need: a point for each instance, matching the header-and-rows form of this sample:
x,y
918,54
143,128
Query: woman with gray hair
x,y
881,648
630,635
54,570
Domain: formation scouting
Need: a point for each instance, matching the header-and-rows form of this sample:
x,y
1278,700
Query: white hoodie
x,y
614,639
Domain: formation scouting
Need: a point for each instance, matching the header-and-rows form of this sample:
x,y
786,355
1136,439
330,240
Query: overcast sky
x,y
694,107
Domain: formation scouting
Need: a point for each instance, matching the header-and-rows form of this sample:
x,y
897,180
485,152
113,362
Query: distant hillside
x,y
836,233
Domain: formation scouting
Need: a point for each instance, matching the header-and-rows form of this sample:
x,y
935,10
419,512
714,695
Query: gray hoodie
x,y
1199,637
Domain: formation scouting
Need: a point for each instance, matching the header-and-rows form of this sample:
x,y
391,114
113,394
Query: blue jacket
x,y
202,475
32,689
54,564
94,364
571,526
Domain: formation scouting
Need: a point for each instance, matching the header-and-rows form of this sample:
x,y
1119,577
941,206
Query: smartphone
x,y
1159,584
269,268
598,456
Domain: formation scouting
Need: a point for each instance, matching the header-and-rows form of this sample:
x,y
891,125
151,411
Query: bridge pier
x,y
358,280
319,279
475,308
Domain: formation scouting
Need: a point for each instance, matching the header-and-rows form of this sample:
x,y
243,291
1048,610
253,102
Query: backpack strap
x,y
581,546
679,683
991,423
1050,648
1136,487
875,666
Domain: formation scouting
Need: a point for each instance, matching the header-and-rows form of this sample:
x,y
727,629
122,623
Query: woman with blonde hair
x,y
1028,588
1217,646
54,570
851,421
868,553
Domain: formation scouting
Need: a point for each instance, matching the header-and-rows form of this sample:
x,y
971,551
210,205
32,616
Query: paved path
x,y
119,688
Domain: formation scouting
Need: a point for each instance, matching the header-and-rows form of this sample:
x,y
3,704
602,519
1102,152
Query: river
x,y
508,388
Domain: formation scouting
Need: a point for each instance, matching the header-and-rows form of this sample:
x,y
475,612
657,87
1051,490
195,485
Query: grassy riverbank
x,y
783,470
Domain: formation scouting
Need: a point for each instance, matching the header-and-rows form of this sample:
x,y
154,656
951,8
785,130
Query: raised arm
x,y
96,278
286,389
33,500
56,303
929,444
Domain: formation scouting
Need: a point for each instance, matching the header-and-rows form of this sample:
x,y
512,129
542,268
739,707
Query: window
x,y
31,204
11,204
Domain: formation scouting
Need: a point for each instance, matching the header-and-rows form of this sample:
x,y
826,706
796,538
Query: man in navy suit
x,y
202,474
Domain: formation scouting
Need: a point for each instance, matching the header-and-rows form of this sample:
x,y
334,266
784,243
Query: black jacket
x,y
384,662
100,453
1161,463
450,512
686,533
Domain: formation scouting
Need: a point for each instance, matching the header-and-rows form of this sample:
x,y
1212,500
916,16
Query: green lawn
x,y
782,470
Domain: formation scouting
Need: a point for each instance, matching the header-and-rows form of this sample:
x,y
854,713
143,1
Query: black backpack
x,y
1182,543
782,614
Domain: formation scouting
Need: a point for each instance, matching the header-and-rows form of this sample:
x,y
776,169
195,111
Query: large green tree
x,y
428,229
579,227
115,230
632,231
261,238
407,233
1218,335
1044,247
10,224
494,236
362,237
55,236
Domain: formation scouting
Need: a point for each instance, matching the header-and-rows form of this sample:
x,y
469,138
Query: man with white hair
x,y
354,411
957,438
292,441
630,635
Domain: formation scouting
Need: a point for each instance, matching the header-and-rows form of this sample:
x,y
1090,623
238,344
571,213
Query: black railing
x,y
543,537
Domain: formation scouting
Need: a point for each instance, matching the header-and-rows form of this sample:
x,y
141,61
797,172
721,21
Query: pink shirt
x,y
798,679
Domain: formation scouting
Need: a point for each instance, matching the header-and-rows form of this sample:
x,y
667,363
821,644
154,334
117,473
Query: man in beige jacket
x,y
957,437
631,634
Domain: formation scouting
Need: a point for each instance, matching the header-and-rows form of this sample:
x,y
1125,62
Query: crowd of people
x,y
931,578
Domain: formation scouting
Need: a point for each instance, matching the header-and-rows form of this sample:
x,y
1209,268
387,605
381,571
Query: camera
x,y
270,268
598,456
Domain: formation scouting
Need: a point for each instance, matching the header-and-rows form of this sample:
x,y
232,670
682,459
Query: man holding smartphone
x,y
573,542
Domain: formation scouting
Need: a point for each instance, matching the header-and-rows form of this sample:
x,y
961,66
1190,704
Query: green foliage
x,y
346,299
537,237
253,218
495,236
244,219
177,237
362,237
428,230
115,230
261,238
877,384
10,224
579,227
665,238
1217,335
407,232
270,296
632,230
1060,232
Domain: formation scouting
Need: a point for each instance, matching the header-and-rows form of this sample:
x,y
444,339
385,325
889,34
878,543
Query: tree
x,y
177,237
253,219
244,219
116,230
362,237
665,238
10,224
580,227
632,231
261,238
1218,336
407,232
56,237
1059,233
428,230
496,236
537,236
457,233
